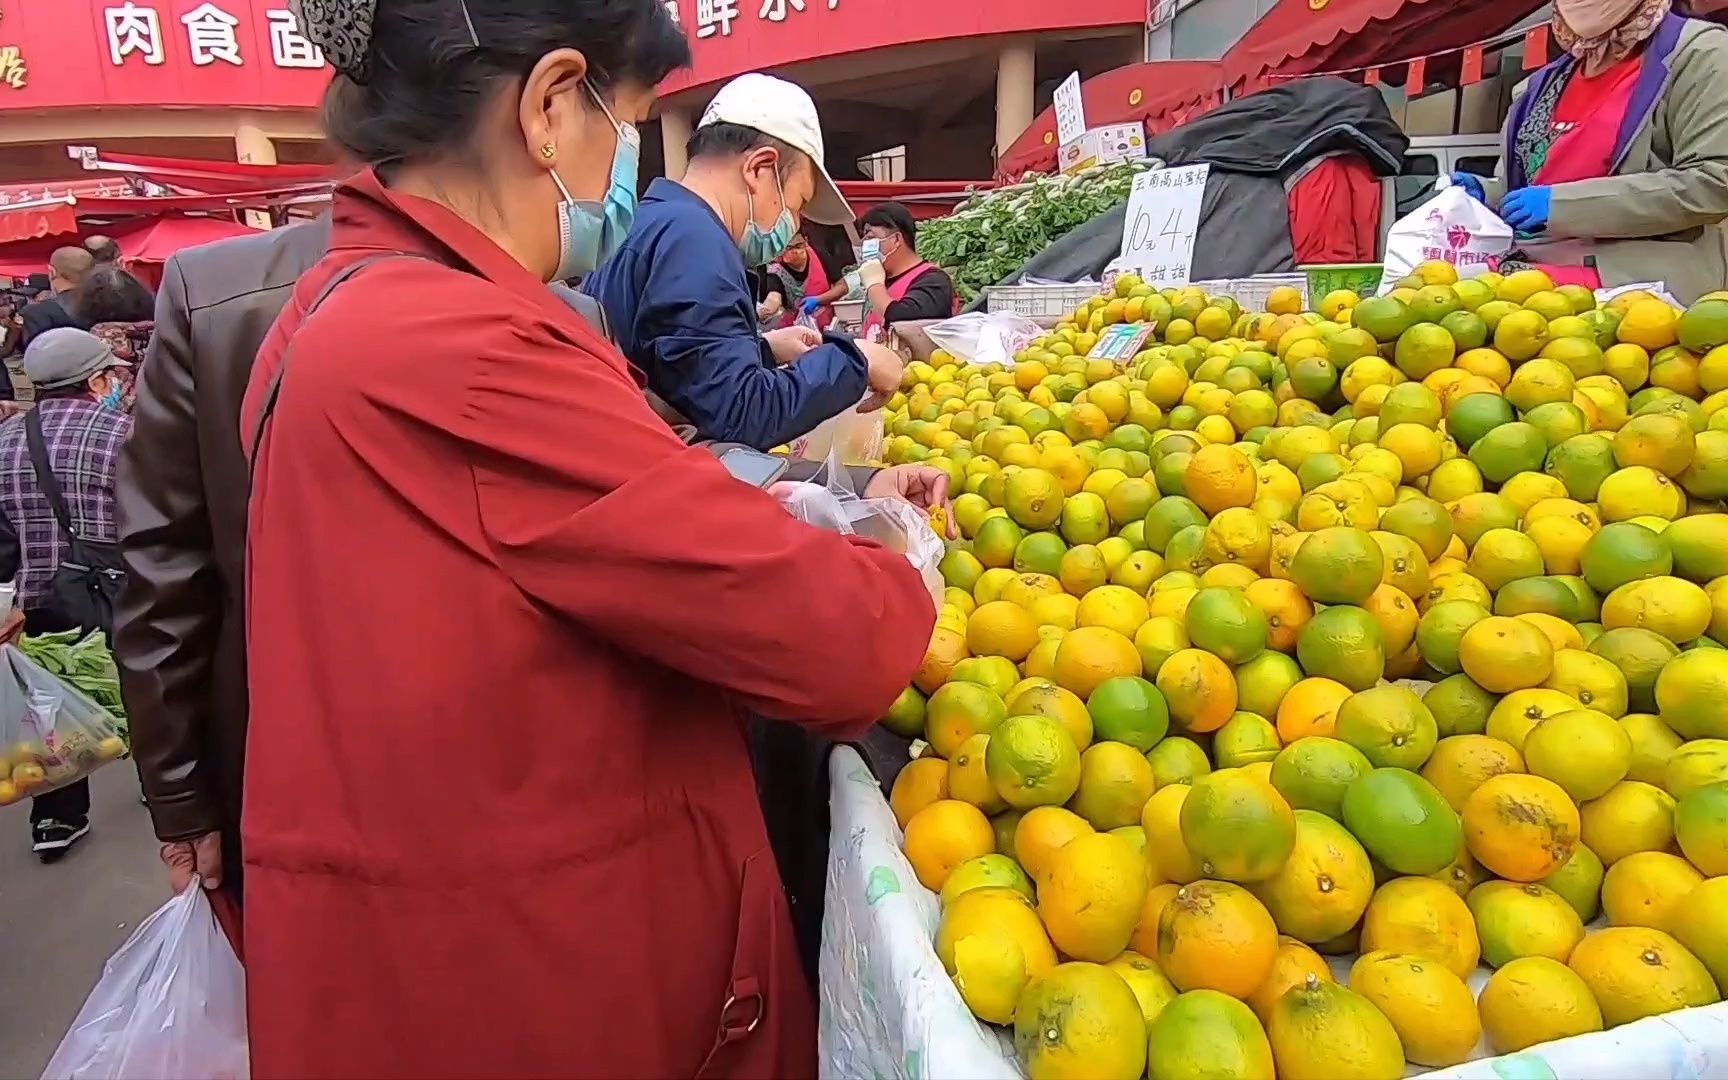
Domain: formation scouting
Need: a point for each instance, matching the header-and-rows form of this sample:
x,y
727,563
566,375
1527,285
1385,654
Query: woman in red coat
x,y
504,626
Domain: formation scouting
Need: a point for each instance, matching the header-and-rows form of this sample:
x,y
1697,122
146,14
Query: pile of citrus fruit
x,y
1390,630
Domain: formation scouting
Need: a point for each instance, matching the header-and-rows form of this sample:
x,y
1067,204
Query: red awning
x,y
144,241
1300,36
214,177
925,198
36,220
1162,94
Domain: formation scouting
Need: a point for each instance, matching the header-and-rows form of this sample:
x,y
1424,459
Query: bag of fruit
x,y
51,734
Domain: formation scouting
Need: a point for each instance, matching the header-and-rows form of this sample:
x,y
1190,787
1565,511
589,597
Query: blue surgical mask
x,y
870,250
589,231
116,392
762,247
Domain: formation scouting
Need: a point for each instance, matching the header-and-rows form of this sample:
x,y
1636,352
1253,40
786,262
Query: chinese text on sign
x,y
1158,229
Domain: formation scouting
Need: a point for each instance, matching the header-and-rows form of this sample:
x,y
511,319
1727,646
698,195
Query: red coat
x,y
499,816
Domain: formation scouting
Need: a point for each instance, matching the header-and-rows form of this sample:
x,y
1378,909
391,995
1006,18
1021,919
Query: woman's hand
x,y
770,307
790,342
1472,185
921,485
1526,209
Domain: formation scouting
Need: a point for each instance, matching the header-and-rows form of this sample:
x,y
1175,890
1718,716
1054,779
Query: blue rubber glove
x,y
1526,209
809,306
1472,185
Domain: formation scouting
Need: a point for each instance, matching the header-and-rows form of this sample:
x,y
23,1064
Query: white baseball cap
x,y
784,111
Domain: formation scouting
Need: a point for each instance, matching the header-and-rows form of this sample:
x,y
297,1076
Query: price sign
x,y
1120,342
1070,111
1158,229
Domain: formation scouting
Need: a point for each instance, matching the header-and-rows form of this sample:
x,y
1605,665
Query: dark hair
x,y
102,248
110,294
429,83
895,216
732,140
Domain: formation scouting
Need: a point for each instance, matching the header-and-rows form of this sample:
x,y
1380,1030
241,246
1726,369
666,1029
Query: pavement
x,y
60,922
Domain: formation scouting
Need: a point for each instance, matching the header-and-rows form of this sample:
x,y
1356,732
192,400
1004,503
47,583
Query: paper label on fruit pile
x,y
1451,227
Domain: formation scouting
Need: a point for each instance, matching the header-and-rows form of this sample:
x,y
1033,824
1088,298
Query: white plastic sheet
x,y
170,1005
889,1009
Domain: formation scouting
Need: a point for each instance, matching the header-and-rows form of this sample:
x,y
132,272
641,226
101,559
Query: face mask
x,y
871,250
761,248
116,391
589,231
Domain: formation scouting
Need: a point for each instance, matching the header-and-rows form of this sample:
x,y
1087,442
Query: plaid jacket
x,y
84,440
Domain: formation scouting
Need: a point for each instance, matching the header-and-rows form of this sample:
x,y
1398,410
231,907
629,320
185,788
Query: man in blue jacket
x,y
678,298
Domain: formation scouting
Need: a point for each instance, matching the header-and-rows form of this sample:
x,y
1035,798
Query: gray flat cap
x,y
65,355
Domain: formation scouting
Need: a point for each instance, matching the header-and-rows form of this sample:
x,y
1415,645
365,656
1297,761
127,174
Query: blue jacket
x,y
680,306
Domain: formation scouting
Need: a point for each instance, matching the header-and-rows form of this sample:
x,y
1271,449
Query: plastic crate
x,y
1253,292
1363,279
1038,301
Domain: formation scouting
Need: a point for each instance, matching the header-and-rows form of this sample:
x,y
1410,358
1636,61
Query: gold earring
x,y
548,151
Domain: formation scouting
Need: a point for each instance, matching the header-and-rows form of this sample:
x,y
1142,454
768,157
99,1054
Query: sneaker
x,y
53,838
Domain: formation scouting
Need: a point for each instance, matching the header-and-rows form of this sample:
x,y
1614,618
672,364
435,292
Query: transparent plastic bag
x,y
855,437
895,524
51,734
978,337
170,1005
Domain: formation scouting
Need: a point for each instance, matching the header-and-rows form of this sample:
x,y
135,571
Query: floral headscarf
x,y
1601,33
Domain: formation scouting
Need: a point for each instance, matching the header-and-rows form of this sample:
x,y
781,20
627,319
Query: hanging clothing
x,y
507,825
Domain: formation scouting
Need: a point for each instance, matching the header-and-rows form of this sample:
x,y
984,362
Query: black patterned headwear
x,y
343,29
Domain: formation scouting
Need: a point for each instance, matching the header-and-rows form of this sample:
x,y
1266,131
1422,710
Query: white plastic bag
x,y
979,337
1451,227
895,524
170,1005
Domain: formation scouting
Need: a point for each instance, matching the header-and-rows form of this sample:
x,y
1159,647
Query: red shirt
x,y
1587,121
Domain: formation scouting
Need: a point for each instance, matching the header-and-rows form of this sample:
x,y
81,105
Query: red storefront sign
x,y
730,37
120,53
251,53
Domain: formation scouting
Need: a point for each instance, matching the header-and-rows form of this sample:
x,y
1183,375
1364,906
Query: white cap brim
x,y
828,206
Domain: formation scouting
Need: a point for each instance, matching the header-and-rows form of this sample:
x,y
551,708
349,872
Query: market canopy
x,y
1302,36
1161,94
144,241
924,198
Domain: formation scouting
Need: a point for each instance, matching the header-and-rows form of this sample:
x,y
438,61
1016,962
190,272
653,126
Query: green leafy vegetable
x,y
992,234
84,662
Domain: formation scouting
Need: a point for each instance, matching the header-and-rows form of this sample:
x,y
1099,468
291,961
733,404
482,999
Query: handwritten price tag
x,y
1158,229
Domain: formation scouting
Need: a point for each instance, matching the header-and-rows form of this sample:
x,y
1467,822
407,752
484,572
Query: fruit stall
x,y
1335,687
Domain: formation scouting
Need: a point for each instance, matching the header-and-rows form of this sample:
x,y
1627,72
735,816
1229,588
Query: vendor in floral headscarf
x,y
1615,168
